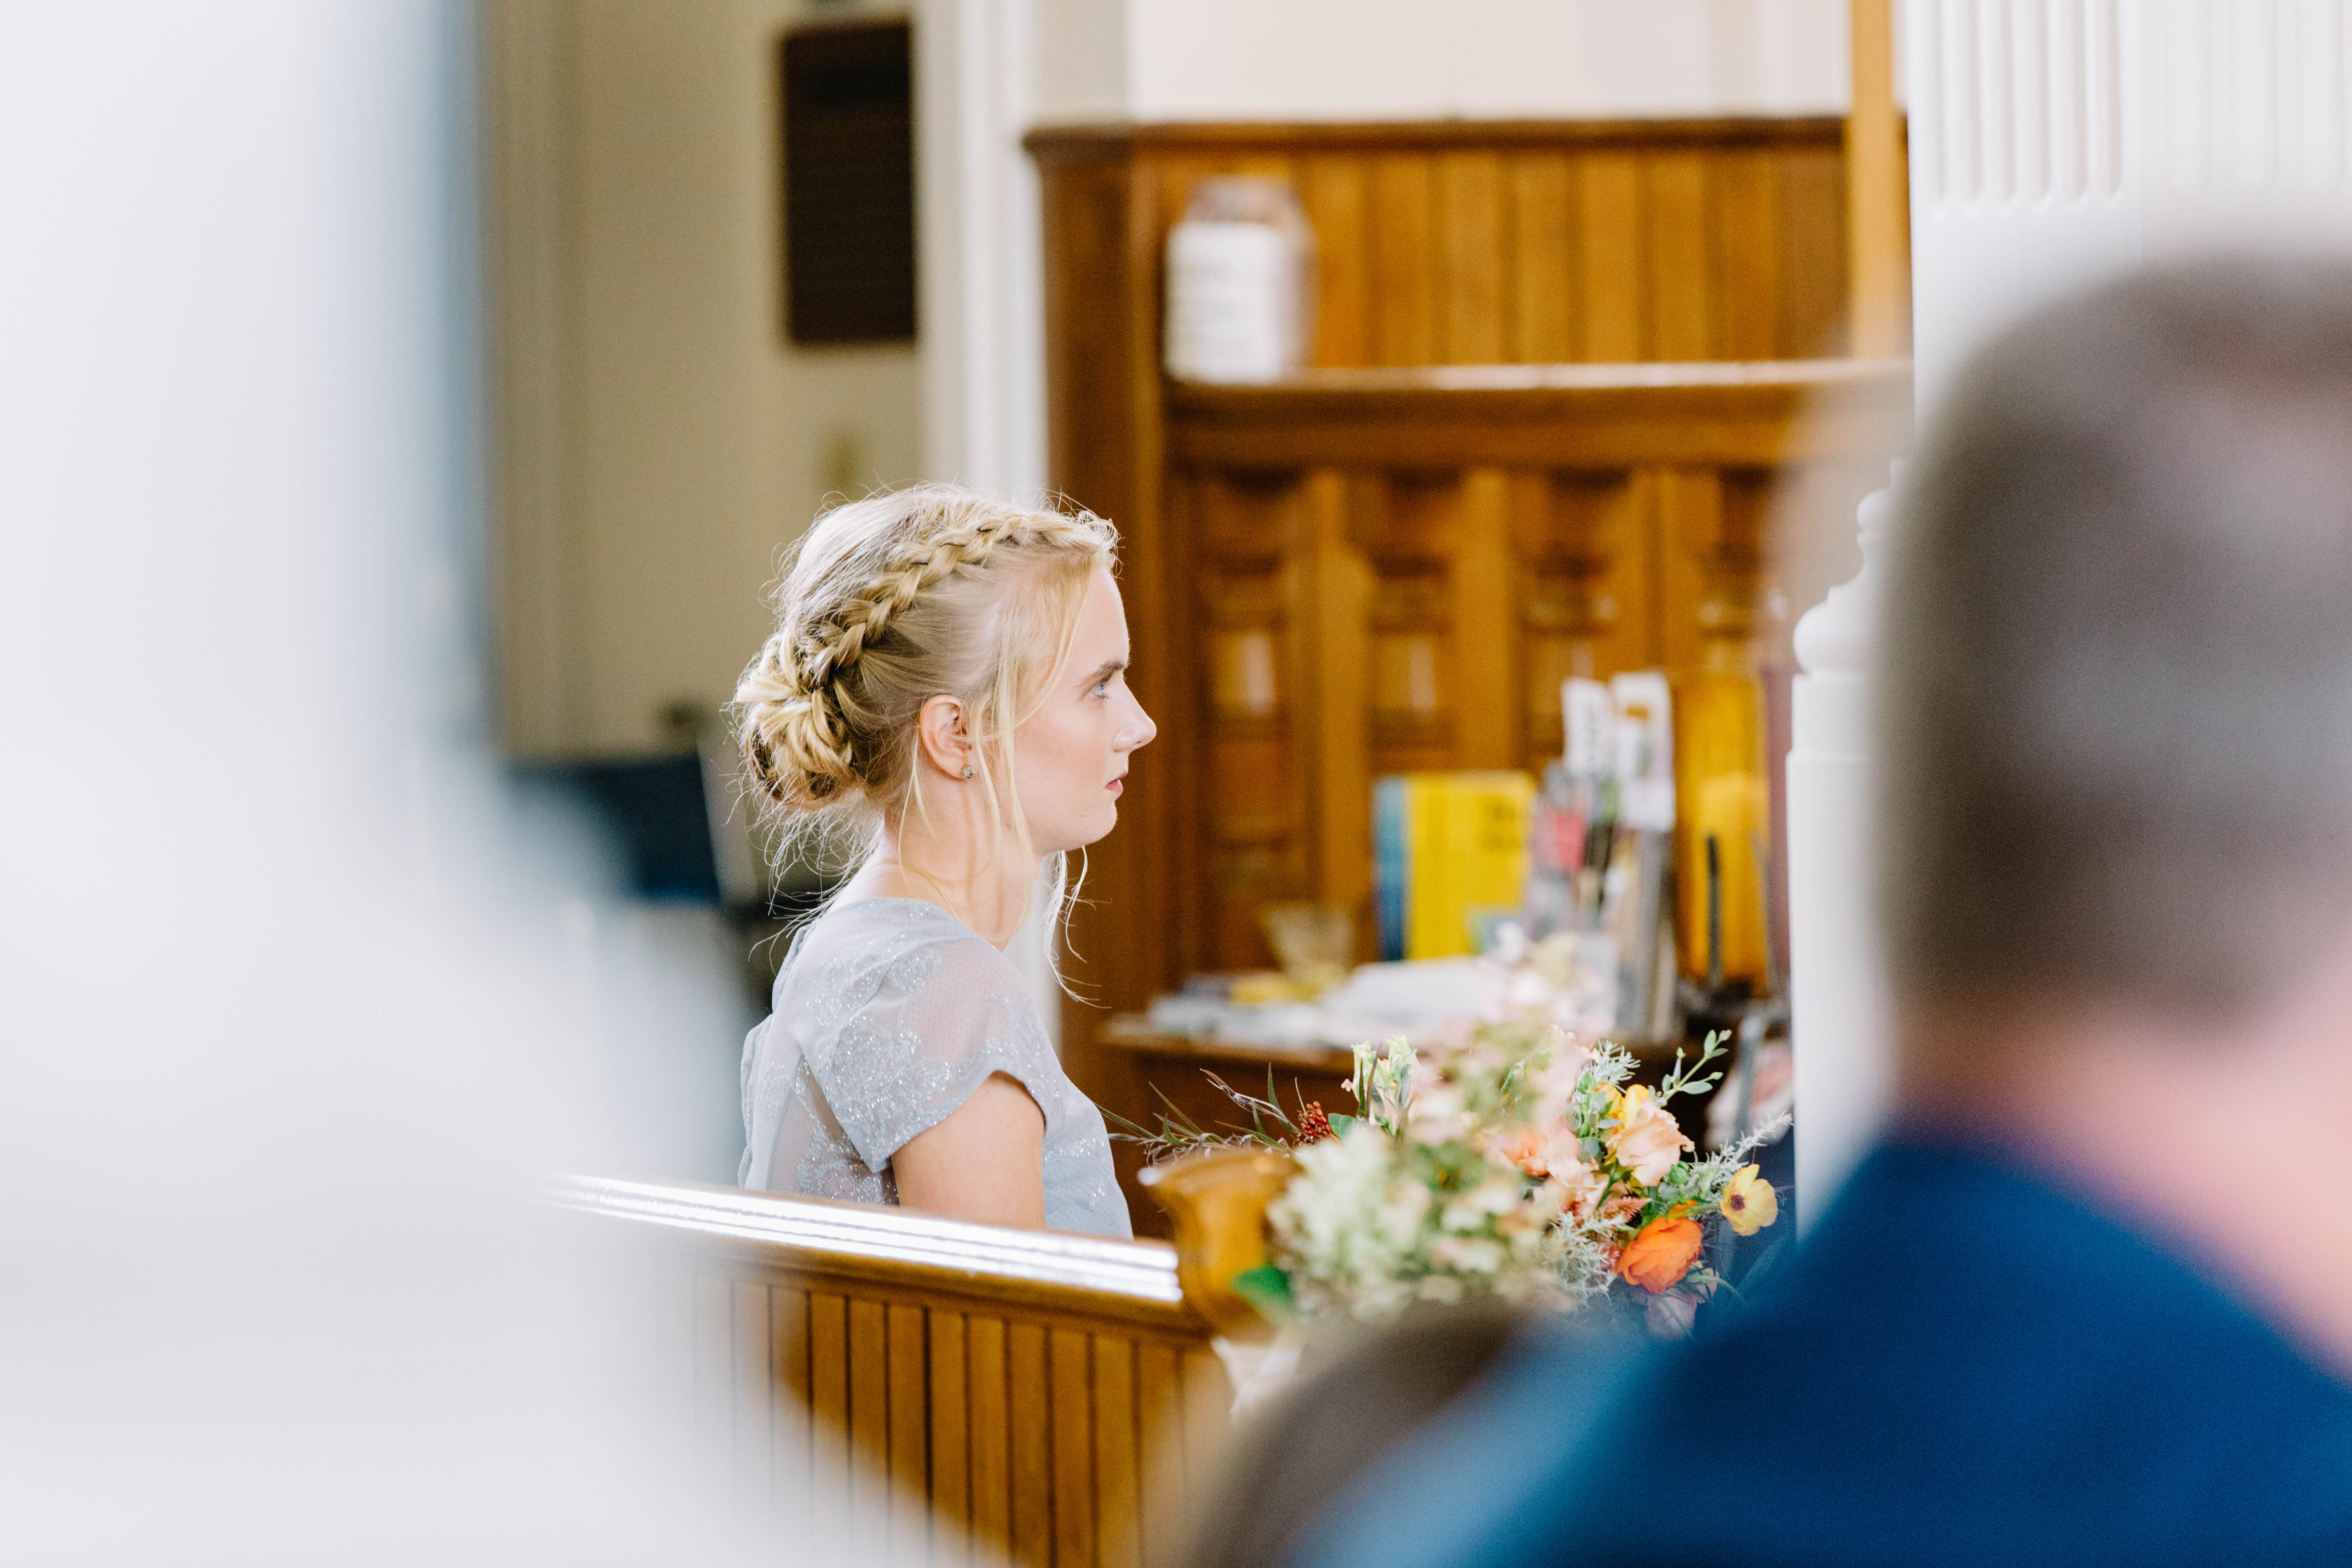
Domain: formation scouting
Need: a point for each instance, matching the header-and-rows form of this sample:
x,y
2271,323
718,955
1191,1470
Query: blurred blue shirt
x,y
1962,1366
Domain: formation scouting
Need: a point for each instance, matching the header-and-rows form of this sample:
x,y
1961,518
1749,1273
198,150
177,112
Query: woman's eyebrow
x,y
1105,670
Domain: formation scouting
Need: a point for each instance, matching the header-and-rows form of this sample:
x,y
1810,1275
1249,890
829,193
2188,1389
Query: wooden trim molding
x,y
1107,139
1763,414
1049,1271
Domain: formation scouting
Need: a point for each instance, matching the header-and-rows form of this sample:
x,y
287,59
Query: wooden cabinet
x,y
1567,401
1378,573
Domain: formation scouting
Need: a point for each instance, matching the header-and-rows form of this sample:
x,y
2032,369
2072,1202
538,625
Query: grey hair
x,y
2116,718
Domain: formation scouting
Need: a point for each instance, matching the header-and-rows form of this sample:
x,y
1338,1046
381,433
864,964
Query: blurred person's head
x,y
1301,1455
924,640
2116,849
2117,711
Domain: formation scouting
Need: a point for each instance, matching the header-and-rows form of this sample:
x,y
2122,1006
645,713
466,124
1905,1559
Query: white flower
x,y
1405,1206
1439,1116
1469,1255
1497,1195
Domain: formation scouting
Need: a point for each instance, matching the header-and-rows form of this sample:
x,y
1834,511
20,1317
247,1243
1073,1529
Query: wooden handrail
x,y
1130,1281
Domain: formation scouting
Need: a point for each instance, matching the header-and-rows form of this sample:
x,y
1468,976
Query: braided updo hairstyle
x,y
893,600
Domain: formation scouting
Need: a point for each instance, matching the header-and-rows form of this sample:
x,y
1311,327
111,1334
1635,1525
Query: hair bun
x,y
792,738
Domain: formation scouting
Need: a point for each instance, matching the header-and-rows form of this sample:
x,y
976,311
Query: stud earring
x,y
967,770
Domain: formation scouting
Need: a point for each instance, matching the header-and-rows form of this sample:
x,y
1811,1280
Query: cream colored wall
x,y
1378,59
663,442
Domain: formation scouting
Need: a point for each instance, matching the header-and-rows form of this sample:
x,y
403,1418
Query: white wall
x,y
664,440
1376,60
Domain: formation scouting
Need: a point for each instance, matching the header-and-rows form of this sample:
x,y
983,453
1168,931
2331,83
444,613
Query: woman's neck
x,y
989,893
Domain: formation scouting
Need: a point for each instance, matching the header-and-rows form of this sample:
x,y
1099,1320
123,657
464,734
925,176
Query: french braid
x,y
820,729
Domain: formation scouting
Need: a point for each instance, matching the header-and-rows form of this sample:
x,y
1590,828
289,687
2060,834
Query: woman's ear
x,y
940,726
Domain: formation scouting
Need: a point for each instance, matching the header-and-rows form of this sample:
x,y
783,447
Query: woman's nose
x,y
1137,732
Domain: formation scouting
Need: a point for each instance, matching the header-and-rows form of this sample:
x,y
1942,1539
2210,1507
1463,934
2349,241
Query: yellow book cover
x,y
1468,838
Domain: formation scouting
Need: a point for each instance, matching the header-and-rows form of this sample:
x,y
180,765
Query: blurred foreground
x,y
293,999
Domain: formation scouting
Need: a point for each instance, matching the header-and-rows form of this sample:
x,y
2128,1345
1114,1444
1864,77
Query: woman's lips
x,y
1114,786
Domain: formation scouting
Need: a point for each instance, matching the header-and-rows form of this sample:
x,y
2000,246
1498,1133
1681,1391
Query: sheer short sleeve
x,y
937,1019
888,1014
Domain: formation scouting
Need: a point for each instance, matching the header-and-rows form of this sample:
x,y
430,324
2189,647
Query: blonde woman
x,y
946,686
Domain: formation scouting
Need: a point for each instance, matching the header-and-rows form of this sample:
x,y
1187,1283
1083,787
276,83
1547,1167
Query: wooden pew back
x,y
937,1390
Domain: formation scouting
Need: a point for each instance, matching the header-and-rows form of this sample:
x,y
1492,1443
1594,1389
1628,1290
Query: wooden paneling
x,y
1445,547
940,1390
1532,243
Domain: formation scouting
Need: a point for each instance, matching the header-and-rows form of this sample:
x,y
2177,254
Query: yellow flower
x,y
1748,1201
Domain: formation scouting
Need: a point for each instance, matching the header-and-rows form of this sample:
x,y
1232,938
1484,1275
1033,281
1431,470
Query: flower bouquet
x,y
1508,1160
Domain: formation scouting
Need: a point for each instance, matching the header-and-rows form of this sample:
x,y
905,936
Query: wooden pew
x,y
943,1390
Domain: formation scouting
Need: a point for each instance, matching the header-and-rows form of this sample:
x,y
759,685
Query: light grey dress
x,y
887,1014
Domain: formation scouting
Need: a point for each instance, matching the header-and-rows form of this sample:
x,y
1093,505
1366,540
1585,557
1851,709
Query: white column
x,y
2052,141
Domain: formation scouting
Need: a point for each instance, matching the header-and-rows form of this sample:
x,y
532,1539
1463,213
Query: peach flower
x,y
1658,1257
1647,1142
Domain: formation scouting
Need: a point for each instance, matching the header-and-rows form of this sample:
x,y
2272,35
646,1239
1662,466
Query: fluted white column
x,y
2053,142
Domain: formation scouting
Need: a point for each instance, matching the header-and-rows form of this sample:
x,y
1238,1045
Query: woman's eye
x,y
1102,689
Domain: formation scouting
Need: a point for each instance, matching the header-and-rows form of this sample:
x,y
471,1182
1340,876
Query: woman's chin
x,y
1099,826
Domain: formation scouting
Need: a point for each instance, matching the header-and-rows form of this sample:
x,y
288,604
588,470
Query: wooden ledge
x,y
1132,1281
1101,140
1733,412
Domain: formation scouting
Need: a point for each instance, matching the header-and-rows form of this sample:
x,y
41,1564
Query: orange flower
x,y
1658,1257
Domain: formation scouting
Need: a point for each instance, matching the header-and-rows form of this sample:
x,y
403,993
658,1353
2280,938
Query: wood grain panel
x,y
1582,549
1690,507
909,1397
950,1419
1746,250
1612,260
1334,588
992,1435
1400,230
1488,709
869,1425
829,1463
1679,246
1119,1484
1813,264
1541,313
1073,1449
1472,242
1165,1493
789,1444
1332,192
1031,1407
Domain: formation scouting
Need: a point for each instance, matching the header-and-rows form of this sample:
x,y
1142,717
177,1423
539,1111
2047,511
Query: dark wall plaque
x,y
849,182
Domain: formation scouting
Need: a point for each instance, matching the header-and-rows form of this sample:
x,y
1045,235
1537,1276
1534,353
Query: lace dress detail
x,y
887,1014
